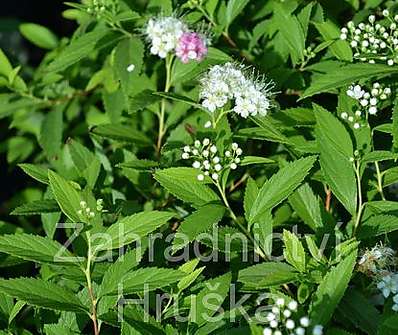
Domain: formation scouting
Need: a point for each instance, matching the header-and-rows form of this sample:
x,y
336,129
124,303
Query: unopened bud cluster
x,y
374,40
99,7
209,161
368,102
285,319
89,213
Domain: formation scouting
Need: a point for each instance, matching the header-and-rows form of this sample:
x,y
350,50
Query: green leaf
x,y
294,251
36,172
291,30
182,183
336,150
346,75
196,223
132,228
149,279
142,100
395,125
210,298
67,196
378,225
251,193
36,248
251,160
139,164
116,271
307,205
329,31
80,48
379,155
265,275
360,312
39,35
5,65
37,207
180,98
331,290
40,293
122,133
128,52
234,8
280,186
51,132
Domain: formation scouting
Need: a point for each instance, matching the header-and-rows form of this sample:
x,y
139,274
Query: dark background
x,y
12,13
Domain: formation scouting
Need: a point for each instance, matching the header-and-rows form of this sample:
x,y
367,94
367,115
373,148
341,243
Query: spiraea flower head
x,y
191,46
377,261
375,40
368,102
249,93
209,160
164,34
285,318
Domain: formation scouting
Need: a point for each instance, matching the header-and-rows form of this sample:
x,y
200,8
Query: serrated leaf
x,y
250,160
122,133
307,206
378,225
68,198
360,312
331,290
132,228
37,207
127,53
265,275
294,251
330,32
379,155
80,48
280,186
139,164
149,279
336,150
36,248
36,172
206,303
39,35
394,130
182,183
251,193
180,98
116,271
291,30
44,294
196,223
345,75
234,8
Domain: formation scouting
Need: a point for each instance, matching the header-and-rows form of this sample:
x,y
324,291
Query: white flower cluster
x,y
374,40
223,83
368,101
389,286
283,320
208,160
377,260
87,212
164,34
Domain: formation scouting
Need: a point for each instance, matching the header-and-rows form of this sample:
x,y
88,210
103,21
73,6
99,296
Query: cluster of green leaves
x,y
84,128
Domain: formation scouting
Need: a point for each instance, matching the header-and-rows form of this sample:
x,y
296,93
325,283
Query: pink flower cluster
x,y
191,46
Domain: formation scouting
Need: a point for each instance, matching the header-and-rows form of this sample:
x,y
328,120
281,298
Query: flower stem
x,y
360,201
87,272
161,115
379,181
233,216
